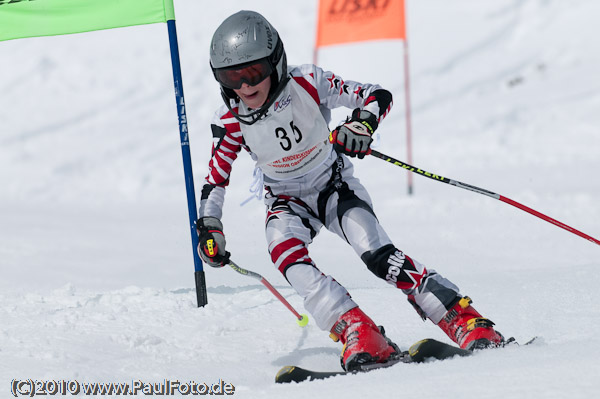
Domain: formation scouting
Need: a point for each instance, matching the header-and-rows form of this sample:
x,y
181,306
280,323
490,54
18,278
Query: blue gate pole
x,y
187,164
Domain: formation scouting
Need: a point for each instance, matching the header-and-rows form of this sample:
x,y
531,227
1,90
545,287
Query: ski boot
x,y
465,326
364,342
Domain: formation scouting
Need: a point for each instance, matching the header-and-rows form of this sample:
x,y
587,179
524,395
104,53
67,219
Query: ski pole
x,y
469,187
302,319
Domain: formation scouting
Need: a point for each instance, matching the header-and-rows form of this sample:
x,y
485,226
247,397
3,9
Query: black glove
x,y
211,247
353,138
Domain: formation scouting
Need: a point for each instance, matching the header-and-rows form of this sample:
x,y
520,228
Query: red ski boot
x,y
363,342
465,326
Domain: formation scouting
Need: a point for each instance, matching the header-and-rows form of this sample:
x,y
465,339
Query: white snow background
x,y
96,271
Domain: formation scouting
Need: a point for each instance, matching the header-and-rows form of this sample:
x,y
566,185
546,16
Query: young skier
x,y
280,116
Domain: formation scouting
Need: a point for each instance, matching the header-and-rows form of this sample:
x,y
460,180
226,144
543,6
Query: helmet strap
x,y
254,116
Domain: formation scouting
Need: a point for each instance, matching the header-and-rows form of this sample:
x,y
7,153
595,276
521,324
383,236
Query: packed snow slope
x,y
96,272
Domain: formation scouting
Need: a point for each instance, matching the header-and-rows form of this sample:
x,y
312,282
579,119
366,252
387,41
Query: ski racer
x,y
279,114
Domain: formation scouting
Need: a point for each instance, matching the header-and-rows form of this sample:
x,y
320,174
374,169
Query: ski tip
x,y
535,340
284,373
298,374
413,351
430,348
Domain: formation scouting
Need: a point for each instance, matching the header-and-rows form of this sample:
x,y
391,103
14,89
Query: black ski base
x,y
427,349
418,353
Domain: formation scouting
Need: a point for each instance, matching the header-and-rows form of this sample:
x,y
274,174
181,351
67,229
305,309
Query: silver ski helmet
x,y
246,48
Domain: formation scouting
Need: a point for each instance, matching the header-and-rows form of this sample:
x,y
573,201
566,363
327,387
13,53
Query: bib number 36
x,y
285,140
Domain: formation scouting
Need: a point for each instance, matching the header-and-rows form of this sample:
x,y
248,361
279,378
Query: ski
x,y
431,349
419,352
299,374
426,349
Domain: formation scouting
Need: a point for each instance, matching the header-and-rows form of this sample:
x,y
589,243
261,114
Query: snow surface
x,y
95,254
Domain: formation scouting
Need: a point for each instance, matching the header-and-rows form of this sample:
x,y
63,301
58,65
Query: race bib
x,y
292,138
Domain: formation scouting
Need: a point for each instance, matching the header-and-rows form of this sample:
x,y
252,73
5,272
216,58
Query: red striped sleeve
x,y
370,99
224,152
312,90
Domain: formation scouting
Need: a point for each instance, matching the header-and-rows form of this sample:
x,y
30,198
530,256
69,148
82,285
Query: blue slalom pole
x,y
187,164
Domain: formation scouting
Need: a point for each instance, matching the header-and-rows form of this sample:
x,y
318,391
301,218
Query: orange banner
x,y
344,21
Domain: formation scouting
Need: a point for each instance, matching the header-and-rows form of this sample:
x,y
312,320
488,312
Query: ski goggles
x,y
251,74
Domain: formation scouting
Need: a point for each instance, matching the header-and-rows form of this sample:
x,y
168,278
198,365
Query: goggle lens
x,y
252,75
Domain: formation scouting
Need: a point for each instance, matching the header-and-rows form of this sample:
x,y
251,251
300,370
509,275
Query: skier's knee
x,y
392,265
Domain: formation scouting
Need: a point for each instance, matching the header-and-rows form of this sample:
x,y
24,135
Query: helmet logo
x,y
269,38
